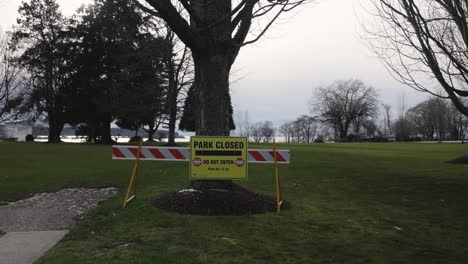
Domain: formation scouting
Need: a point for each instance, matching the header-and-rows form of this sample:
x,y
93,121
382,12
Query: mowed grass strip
x,y
352,203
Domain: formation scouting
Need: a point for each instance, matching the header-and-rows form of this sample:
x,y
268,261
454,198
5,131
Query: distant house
x,y
16,130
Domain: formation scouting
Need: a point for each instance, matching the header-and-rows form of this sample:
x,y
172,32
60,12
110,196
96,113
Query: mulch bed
x,y
460,160
234,201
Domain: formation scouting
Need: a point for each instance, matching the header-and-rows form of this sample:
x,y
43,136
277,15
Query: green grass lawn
x,y
351,203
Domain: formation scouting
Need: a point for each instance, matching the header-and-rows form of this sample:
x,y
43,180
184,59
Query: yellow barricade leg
x,y
131,185
279,200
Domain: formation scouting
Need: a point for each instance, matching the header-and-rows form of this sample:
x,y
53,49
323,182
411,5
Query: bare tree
x,y
343,102
387,115
153,125
370,128
307,128
463,128
215,31
404,129
423,117
256,132
268,131
401,105
262,131
286,129
437,118
180,73
455,123
243,123
421,40
178,69
12,85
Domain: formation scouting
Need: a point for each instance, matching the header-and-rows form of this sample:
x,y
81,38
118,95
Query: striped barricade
x,y
151,153
183,154
268,156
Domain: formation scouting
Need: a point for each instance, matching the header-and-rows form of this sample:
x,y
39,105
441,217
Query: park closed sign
x,y
218,158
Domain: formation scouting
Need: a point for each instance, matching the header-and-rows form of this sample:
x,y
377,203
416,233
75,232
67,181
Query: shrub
x,y
29,138
352,138
319,140
135,139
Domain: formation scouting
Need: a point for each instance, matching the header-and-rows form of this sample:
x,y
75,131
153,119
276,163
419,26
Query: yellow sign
x,y
221,158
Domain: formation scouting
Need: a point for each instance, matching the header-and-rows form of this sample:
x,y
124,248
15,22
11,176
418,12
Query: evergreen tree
x,y
117,66
40,36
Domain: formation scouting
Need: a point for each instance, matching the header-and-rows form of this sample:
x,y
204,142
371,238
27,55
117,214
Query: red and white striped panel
x,y
151,153
183,154
267,156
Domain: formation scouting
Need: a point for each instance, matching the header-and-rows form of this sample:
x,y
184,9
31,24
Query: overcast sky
x,y
276,77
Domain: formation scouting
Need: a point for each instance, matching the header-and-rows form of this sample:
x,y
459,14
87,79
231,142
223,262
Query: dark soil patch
x,y
2,233
234,201
460,160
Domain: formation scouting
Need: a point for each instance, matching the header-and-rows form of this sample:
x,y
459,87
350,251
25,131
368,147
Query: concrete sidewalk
x,y
27,247
31,224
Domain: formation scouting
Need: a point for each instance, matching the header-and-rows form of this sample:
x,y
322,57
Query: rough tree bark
x,y
106,137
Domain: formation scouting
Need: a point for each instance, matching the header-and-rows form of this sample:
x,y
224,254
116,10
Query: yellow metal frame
x,y
279,199
131,185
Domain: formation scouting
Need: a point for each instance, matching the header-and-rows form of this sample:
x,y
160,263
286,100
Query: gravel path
x,y
51,211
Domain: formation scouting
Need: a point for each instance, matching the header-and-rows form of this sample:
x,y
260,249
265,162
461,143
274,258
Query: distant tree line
x,y
108,63
432,119
258,132
349,111
302,130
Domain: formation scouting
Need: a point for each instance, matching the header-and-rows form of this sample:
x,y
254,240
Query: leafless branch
x,y
423,41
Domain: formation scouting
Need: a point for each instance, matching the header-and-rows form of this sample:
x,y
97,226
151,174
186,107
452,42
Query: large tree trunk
x,y
53,112
212,106
212,93
151,132
106,137
172,126
55,129
343,132
92,131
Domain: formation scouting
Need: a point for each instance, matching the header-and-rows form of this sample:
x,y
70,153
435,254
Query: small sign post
x,y
218,158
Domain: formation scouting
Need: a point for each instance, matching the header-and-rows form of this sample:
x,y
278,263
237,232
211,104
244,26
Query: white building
x,y
15,130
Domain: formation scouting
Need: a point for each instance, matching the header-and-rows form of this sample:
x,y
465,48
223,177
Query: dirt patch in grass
x,y
234,201
460,160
